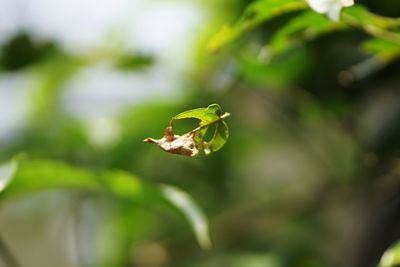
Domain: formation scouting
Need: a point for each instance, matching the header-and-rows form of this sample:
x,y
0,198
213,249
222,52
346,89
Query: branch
x,y
223,116
372,30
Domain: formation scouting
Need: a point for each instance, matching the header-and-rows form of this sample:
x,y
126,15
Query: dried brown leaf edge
x,y
192,143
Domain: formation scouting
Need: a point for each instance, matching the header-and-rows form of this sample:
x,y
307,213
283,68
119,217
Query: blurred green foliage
x,y
391,257
22,50
308,178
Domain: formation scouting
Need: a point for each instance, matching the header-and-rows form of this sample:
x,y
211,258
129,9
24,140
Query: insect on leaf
x,y
193,143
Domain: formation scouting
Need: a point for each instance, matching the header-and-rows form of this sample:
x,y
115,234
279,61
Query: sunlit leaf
x,y
40,175
391,257
193,143
384,50
255,14
221,134
305,26
362,16
7,172
376,25
194,215
205,115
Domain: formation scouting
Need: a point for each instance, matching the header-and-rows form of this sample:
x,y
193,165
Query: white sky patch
x,y
13,104
102,91
166,29
77,25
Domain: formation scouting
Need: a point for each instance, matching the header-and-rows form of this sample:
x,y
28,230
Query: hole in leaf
x,y
210,133
185,125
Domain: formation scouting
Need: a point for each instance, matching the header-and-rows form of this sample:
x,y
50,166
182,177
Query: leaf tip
x,y
149,140
7,173
195,217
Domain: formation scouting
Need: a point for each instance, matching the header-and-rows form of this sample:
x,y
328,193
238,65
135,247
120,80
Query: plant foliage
x,y
194,142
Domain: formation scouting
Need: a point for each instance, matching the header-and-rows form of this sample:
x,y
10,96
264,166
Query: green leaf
x,y
363,17
391,257
280,71
382,53
379,26
384,50
35,176
193,143
255,14
41,175
205,115
7,172
221,134
304,27
195,217
134,62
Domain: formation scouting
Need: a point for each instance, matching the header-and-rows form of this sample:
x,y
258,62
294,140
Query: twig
x,y
223,116
373,30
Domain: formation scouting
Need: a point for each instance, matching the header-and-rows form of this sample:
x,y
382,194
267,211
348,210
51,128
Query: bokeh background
x,y
308,178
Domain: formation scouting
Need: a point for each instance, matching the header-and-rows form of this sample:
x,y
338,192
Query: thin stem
x,y
373,30
223,116
7,256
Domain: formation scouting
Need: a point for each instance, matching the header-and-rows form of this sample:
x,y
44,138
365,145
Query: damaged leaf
x,y
194,143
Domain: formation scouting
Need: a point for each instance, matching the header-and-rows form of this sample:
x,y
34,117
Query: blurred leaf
x,y
257,260
35,176
193,143
255,14
304,27
244,258
280,71
219,139
274,65
135,62
384,50
50,78
363,17
379,26
22,50
7,172
195,217
40,175
391,257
